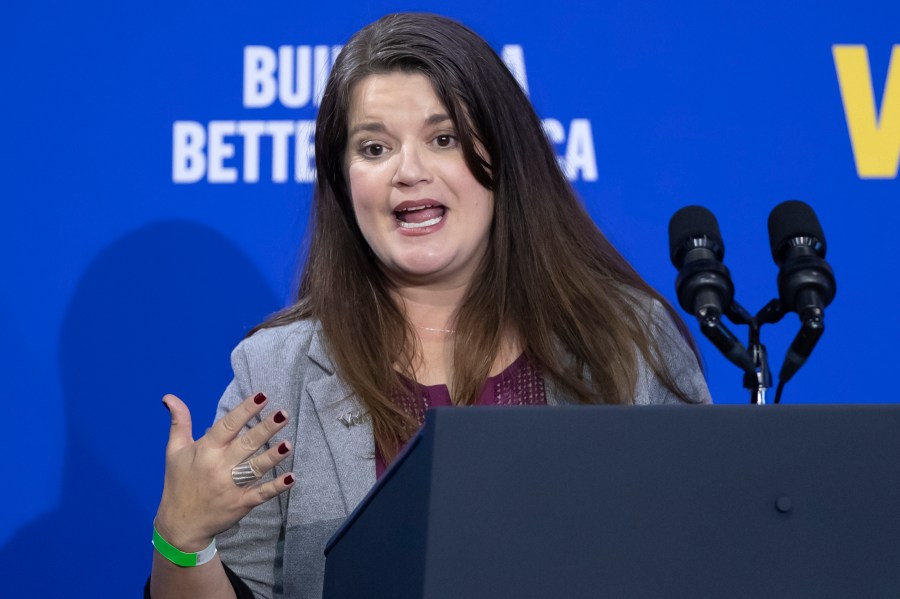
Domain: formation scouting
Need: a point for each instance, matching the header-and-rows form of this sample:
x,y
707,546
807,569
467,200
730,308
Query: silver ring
x,y
245,474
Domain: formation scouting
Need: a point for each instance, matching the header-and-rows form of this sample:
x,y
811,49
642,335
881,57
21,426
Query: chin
x,y
421,264
422,271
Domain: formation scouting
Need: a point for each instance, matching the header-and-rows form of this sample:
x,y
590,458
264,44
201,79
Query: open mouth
x,y
418,217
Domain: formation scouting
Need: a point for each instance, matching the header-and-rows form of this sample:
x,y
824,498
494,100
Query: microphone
x,y
806,282
704,285
696,250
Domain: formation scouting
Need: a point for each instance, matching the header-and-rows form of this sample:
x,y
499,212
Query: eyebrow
x,y
378,126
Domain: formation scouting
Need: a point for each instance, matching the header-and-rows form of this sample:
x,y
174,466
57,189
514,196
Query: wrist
x,y
181,537
179,556
178,532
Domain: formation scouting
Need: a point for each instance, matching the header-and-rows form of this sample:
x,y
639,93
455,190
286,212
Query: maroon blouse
x,y
520,384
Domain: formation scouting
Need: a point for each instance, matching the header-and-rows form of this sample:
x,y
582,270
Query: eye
x,y
446,140
372,150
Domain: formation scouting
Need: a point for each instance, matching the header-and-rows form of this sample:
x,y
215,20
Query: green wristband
x,y
179,557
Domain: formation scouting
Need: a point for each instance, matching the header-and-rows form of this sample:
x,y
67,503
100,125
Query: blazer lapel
x,y
347,429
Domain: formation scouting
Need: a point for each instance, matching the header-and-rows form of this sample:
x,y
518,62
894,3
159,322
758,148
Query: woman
x,y
450,262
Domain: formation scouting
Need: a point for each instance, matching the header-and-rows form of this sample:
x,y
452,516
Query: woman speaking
x,y
449,263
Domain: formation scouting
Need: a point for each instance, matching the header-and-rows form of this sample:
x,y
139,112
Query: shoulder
x,y
277,359
278,338
660,321
674,351
281,341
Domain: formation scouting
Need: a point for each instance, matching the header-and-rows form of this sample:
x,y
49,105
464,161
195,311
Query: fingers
x,y
249,443
180,434
228,427
262,493
267,460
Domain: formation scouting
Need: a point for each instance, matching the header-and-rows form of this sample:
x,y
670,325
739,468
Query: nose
x,y
411,168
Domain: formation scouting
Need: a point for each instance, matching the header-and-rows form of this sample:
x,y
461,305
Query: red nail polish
x,y
279,417
259,398
283,448
288,480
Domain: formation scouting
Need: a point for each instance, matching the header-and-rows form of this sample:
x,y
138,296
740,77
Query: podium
x,y
655,501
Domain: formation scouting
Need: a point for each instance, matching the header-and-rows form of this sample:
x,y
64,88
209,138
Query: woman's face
x,y
417,204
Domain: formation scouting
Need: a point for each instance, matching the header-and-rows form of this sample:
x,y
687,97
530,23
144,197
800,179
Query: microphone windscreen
x,y
790,220
689,224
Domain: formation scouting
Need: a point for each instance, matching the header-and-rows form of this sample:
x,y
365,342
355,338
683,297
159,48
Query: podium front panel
x,y
664,501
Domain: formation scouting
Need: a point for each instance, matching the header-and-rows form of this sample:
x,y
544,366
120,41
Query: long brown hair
x,y
549,274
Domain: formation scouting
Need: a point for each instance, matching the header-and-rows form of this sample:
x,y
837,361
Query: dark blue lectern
x,y
572,502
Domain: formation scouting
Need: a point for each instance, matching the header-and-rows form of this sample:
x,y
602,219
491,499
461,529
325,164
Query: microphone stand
x,y
754,360
760,378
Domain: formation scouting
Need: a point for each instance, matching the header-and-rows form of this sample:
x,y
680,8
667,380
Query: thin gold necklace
x,y
447,331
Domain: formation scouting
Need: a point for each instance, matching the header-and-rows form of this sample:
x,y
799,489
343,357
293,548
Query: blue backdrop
x,y
157,170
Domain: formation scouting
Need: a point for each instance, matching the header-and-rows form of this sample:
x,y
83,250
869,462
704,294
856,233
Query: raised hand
x,y
201,497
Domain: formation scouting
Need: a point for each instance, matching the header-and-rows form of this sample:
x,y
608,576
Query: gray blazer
x,y
277,549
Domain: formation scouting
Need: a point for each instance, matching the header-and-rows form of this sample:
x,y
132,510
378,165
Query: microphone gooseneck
x,y
806,283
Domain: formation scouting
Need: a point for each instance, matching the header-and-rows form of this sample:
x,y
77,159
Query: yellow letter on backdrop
x,y
875,137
